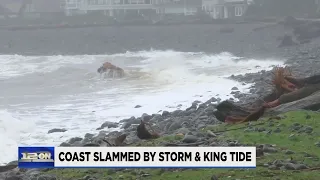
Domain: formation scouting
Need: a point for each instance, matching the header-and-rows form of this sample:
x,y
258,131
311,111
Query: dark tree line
x,y
270,8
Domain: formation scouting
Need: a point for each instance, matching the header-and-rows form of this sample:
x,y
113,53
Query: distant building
x,y
114,7
183,7
108,7
224,9
13,8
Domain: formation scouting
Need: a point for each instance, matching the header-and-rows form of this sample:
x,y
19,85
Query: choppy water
x,y
41,93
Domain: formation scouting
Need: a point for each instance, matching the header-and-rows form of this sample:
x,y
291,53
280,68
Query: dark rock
x,y
234,88
108,125
308,129
56,130
259,152
156,118
190,139
146,117
268,149
74,139
65,144
291,166
174,126
88,136
317,144
132,118
137,106
165,113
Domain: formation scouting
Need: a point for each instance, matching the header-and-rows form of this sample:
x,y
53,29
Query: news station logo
x,y
36,157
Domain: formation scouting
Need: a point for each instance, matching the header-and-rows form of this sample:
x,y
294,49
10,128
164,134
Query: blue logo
x,y
36,157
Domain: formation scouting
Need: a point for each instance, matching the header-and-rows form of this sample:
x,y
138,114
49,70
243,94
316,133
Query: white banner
x,y
155,157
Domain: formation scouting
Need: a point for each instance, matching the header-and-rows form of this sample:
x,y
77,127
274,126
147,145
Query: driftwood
x,y
308,103
283,83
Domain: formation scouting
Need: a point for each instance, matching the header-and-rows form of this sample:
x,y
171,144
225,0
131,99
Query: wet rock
x,y
165,113
213,99
156,118
174,126
55,130
137,106
146,117
88,136
131,121
108,125
74,139
190,139
132,118
65,144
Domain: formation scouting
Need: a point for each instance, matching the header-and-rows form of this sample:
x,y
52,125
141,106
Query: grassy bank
x,y
294,137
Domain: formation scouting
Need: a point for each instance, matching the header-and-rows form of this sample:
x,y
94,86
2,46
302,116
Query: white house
x,y
223,9
111,7
108,7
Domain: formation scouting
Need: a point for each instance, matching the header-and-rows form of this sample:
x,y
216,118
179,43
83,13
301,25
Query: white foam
x,y
70,94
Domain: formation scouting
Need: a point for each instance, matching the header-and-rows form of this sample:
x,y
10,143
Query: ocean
x,y
39,93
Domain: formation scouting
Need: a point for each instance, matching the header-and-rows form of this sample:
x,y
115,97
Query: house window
x,y
238,11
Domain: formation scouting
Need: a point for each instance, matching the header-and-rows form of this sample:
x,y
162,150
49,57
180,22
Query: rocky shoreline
x,y
189,124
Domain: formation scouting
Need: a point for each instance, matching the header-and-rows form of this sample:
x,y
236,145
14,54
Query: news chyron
x,y
36,157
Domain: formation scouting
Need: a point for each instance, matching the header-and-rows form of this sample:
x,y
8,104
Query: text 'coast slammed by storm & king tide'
x,y
137,157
